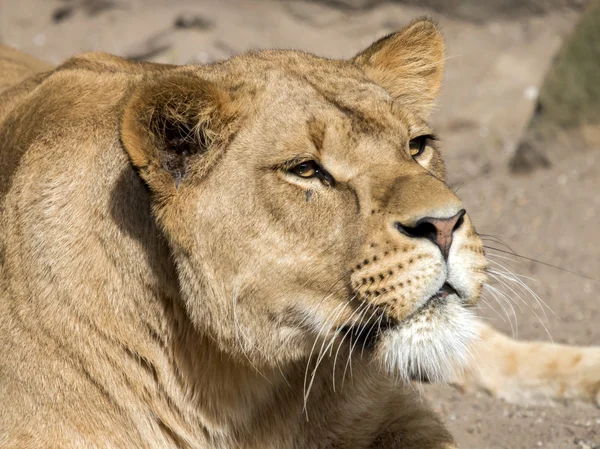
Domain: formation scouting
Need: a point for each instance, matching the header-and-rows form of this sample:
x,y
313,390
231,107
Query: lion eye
x,y
308,169
418,145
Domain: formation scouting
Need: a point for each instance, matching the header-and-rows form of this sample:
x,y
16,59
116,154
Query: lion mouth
x,y
444,291
366,335
440,296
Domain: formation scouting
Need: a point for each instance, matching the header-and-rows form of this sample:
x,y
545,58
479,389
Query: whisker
x,y
490,306
323,353
520,276
349,361
501,300
499,241
329,293
379,320
306,388
501,283
544,263
351,349
342,340
509,276
524,302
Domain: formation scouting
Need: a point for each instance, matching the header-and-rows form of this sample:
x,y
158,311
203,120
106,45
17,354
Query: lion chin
x,y
432,344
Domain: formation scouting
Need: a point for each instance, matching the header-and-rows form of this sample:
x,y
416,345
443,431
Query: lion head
x,y
304,201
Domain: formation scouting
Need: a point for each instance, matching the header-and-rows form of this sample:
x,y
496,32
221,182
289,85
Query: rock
x,y
188,21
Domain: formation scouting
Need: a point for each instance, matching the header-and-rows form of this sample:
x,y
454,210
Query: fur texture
x,y
229,255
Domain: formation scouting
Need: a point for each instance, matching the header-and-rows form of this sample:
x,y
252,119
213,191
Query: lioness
x,y
258,253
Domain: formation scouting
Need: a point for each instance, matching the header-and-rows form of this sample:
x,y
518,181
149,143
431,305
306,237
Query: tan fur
x,y
532,372
166,280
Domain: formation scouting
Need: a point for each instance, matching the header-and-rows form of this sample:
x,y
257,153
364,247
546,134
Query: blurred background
x,y
519,120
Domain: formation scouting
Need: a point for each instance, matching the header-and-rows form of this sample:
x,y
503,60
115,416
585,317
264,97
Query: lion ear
x,y
174,129
408,64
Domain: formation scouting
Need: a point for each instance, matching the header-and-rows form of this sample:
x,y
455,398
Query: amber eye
x,y
418,145
308,169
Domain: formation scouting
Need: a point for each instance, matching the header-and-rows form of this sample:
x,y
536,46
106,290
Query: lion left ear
x,y
174,129
408,64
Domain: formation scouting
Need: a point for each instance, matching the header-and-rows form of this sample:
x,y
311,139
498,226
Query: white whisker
x,y
333,312
509,276
502,299
342,340
504,284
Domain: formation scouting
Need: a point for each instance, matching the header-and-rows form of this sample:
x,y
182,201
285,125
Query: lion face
x,y
305,204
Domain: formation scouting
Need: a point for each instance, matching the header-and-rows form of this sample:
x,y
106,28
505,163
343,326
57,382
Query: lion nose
x,y
438,230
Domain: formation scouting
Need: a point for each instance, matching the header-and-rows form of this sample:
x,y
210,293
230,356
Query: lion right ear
x,y
174,129
409,64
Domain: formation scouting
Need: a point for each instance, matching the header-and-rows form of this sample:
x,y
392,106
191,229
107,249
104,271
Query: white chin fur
x,y
431,345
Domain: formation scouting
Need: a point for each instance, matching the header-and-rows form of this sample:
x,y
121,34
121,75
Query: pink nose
x,y
438,230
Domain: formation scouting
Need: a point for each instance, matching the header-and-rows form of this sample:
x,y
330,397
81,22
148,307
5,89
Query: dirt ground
x,y
498,53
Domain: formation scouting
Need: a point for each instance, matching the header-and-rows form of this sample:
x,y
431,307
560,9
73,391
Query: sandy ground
x,y
496,58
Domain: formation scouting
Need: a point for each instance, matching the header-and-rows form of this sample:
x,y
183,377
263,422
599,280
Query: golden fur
x,y
170,278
